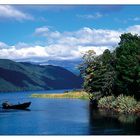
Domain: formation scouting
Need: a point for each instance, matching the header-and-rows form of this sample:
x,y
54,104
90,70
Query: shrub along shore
x,y
121,104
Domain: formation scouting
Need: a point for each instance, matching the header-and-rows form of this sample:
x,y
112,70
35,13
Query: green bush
x,y
126,104
121,104
106,102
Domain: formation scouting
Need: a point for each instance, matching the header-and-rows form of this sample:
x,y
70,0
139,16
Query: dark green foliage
x,y
128,65
98,73
107,59
116,72
25,76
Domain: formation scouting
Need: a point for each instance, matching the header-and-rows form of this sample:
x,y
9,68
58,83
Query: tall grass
x,y
69,95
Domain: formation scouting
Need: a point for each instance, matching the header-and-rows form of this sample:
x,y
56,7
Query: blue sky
x,y
39,33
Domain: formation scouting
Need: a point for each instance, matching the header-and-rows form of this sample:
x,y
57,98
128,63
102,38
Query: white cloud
x,y
43,31
46,32
91,16
23,53
85,36
60,52
134,29
11,12
65,45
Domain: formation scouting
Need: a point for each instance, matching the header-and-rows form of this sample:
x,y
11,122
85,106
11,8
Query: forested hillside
x,y
15,76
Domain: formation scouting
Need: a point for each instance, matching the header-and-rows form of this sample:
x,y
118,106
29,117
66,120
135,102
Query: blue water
x,y
57,117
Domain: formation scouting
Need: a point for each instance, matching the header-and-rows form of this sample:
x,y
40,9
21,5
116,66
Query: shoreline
x,y
106,103
66,95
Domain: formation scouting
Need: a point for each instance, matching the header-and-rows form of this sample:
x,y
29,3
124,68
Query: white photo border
x,y
69,2
76,2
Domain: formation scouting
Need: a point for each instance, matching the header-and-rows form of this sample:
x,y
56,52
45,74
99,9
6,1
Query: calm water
x,y
61,117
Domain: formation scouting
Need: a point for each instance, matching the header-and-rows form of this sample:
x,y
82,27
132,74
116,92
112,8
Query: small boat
x,y
22,106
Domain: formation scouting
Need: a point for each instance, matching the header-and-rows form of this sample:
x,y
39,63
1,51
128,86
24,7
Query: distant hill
x,y
17,76
70,65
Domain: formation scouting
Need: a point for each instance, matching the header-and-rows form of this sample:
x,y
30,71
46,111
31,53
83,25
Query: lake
x,y
61,117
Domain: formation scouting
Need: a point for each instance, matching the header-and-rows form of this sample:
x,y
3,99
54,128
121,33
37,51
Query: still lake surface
x,y
60,117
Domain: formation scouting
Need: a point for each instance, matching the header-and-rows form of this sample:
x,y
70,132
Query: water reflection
x,y
12,110
127,118
108,123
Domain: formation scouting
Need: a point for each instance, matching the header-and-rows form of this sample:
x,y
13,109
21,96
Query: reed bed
x,y
69,95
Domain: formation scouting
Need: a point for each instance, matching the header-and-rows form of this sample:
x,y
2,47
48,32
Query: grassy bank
x,y
69,95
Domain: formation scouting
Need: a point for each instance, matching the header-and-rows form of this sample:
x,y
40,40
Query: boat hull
x,y
18,106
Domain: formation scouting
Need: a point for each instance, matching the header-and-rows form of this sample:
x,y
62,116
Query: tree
x,y
86,70
109,75
116,72
98,73
128,65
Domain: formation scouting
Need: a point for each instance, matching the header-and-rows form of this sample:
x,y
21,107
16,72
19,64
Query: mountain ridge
x,y
19,76
70,65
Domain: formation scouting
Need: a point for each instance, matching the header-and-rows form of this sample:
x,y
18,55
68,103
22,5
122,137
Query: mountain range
x,y
20,76
71,65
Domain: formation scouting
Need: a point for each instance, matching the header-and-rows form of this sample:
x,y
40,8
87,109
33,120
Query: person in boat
x,y
6,104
